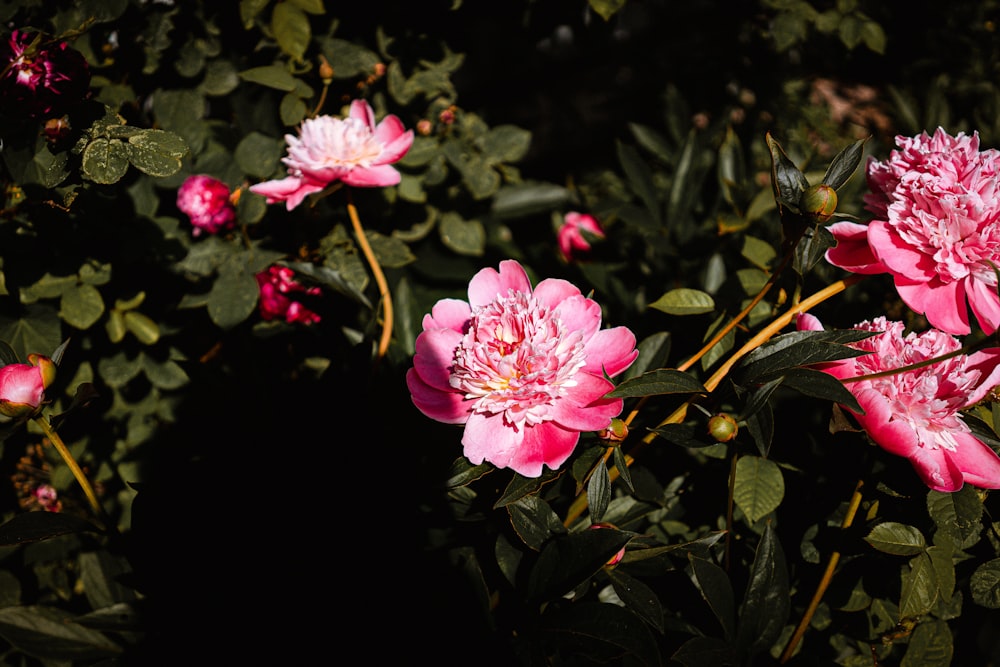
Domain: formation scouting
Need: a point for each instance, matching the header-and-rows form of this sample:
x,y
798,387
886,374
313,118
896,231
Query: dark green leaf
x,y
985,584
36,526
291,29
534,521
959,515
598,493
570,559
624,471
524,199
787,182
811,248
930,645
713,584
605,633
684,435
797,348
105,161
684,301
48,632
521,486
156,152
760,424
272,76
919,588
661,381
654,350
638,597
463,473
706,652
640,177
845,164
233,298
767,601
821,385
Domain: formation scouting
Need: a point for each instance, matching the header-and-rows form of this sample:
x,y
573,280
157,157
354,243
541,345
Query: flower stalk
x,y
74,467
385,297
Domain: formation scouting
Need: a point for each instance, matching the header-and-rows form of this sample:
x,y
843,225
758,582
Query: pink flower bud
x,y
617,558
571,237
22,388
207,202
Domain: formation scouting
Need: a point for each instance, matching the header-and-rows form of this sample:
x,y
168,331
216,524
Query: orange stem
x,y
383,286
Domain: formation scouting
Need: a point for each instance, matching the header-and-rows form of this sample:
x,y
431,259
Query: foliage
x,y
268,492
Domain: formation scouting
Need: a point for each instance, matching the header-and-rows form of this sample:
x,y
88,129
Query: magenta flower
x,y
936,229
40,78
354,150
523,370
22,386
917,413
277,289
571,237
206,201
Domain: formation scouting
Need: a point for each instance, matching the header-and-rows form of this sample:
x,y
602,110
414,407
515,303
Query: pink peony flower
x,y
523,370
917,413
22,386
39,77
571,238
206,201
936,229
277,287
354,150
48,498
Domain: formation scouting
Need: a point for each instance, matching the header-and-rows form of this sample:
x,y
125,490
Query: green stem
x,y
63,450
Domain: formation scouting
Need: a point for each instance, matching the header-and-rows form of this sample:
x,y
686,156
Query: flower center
x,y
516,359
332,143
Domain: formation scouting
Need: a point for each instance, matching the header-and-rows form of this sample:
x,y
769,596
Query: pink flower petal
x,y
979,464
435,353
613,348
443,406
545,444
942,303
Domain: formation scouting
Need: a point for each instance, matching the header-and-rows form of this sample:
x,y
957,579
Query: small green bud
x,y
722,427
616,431
820,202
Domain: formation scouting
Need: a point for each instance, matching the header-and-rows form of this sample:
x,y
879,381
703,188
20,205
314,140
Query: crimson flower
x,y
39,77
936,229
278,288
206,201
917,413
524,370
353,150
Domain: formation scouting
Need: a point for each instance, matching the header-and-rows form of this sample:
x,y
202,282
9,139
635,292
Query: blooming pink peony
x,y
917,413
354,150
571,238
206,201
523,370
936,229
277,287
40,77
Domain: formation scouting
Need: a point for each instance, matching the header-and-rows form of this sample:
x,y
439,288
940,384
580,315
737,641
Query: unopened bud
x,y
325,70
424,127
722,427
616,431
46,368
820,202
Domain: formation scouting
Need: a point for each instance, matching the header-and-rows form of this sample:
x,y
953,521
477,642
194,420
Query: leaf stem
x,y
824,583
383,286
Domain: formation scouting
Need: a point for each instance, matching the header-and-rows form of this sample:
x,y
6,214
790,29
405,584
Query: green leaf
x,y
919,589
985,584
309,6
706,652
291,29
598,493
845,164
232,298
105,161
896,538
348,59
818,384
930,645
258,154
684,301
463,473
48,632
156,152
624,470
811,248
660,381
787,182
167,375
525,199
654,350
767,601
272,76
506,143
759,488
713,584
535,522
466,237
959,515
640,178
292,109
81,306
638,597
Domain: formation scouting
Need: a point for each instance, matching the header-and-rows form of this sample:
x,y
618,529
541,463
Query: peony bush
x,y
612,333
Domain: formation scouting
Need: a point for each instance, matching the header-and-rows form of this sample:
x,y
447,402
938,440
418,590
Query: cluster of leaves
x,y
700,194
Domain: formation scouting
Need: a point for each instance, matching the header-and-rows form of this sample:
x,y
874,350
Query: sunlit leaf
x,y
684,301
760,486
896,538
